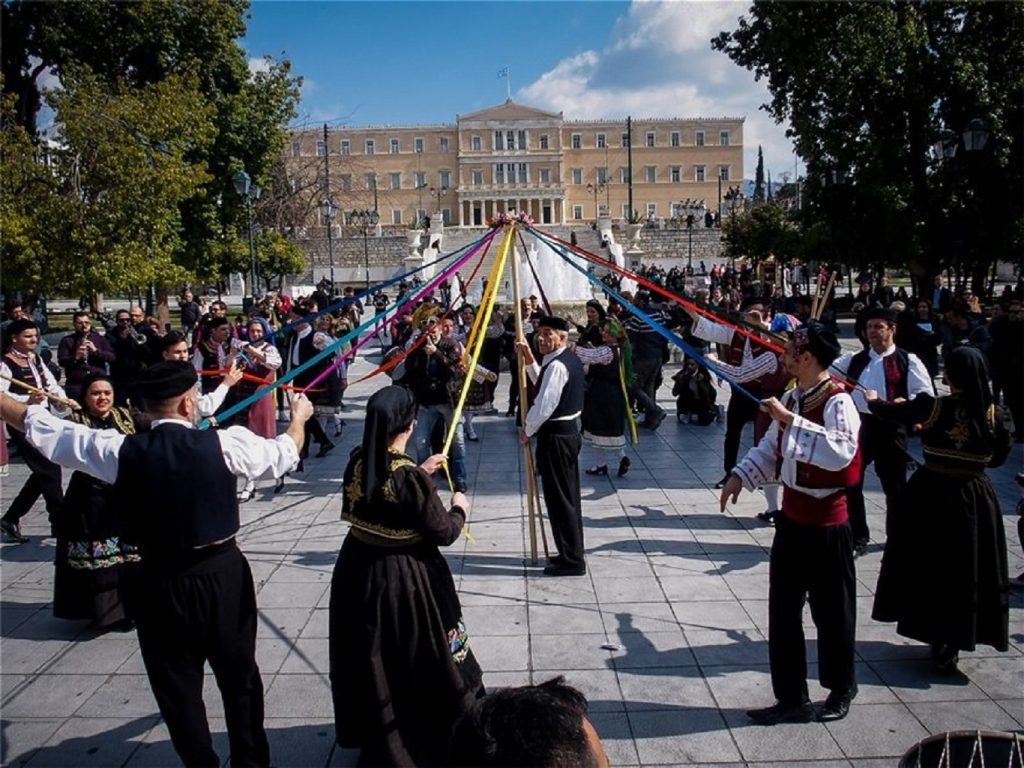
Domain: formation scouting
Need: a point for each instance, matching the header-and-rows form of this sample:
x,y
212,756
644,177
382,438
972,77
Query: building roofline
x,y
598,121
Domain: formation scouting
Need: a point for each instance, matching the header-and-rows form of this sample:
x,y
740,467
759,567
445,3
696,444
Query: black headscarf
x,y
967,370
388,412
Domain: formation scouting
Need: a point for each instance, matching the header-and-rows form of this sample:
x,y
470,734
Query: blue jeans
x,y
427,418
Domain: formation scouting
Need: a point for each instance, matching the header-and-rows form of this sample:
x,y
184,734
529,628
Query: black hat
x,y
166,380
300,311
18,326
748,301
878,313
550,321
815,338
217,322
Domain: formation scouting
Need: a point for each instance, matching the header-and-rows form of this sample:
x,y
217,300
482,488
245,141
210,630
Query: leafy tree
x,y
761,231
865,88
134,46
103,212
759,177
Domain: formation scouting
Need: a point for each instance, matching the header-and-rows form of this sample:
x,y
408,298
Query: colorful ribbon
x,y
672,338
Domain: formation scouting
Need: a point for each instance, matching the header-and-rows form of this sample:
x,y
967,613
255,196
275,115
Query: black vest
x,y
307,351
571,400
175,492
860,361
20,371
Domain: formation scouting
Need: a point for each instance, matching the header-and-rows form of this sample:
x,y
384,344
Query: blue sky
x,y
425,62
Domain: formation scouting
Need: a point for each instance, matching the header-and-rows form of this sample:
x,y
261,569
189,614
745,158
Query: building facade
x,y
513,157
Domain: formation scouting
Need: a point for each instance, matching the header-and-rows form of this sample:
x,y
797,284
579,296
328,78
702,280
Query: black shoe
x,y
655,422
280,484
510,412
945,658
12,531
769,516
782,713
836,706
561,569
602,470
721,483
624,465
245,496
860,548
556,560
324,450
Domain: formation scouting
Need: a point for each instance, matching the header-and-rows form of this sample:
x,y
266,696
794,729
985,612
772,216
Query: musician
x,y
83,353
197,602
135,347
23,364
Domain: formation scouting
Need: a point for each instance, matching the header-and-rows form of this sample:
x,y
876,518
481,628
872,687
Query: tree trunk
x,y
163,310
97,301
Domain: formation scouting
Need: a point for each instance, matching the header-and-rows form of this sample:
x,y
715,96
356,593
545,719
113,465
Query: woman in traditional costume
x,y
605,411
261,360
590,334
944,577
93,562
402,672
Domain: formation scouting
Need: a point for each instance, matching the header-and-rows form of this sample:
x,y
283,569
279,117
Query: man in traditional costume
x,y
554,418
23,364
812,443
895,375
197,602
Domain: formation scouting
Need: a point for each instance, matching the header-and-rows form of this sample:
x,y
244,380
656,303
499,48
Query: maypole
x,y
532,494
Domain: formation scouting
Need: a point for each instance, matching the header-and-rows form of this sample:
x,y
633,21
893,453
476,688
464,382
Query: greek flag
x,y
503,72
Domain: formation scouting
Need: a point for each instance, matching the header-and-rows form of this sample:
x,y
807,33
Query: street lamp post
x,y
595,190
327,213
689,238
974,137
437,194
246,189
364,220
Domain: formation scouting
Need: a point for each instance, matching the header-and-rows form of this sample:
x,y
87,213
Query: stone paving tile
x,y
89,741
23,738
52,695
679,590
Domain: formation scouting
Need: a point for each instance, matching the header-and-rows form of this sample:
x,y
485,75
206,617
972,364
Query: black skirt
x,y
93,565
402,672
944,576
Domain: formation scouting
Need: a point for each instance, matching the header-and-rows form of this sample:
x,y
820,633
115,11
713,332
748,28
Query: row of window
x,y
509,141
676,209
650,174
519,173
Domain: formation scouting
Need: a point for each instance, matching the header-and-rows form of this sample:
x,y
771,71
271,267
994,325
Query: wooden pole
x,y
531,481
36,391
824,299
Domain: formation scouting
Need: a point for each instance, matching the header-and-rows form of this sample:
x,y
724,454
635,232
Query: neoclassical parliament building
x,y
514,157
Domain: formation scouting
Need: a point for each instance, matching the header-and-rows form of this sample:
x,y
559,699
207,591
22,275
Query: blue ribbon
x,y
672,338
327,351
378,287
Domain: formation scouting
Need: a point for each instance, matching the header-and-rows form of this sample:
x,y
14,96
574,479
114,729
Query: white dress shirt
x,y
96,451
555,379
752,367
831,445
42,379
873,376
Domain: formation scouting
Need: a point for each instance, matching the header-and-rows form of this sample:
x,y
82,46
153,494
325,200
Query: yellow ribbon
x,y
625,396
482,320
493,278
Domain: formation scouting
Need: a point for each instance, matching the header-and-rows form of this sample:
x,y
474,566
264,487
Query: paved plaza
x,y
665,634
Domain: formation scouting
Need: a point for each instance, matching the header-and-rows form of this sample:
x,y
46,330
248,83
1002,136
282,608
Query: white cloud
x,y
659,63
259,64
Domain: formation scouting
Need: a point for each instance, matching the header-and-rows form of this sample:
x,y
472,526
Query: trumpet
x,y
138,337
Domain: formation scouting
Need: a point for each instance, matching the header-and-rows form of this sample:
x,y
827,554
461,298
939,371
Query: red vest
x,y
808,510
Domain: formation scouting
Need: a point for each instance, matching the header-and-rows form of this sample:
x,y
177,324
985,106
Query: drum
x,y
965,749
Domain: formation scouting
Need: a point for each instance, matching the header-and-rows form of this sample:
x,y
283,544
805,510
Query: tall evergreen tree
x,y
759,177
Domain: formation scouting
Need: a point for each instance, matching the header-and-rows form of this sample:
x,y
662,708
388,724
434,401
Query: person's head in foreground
x,y
542,726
